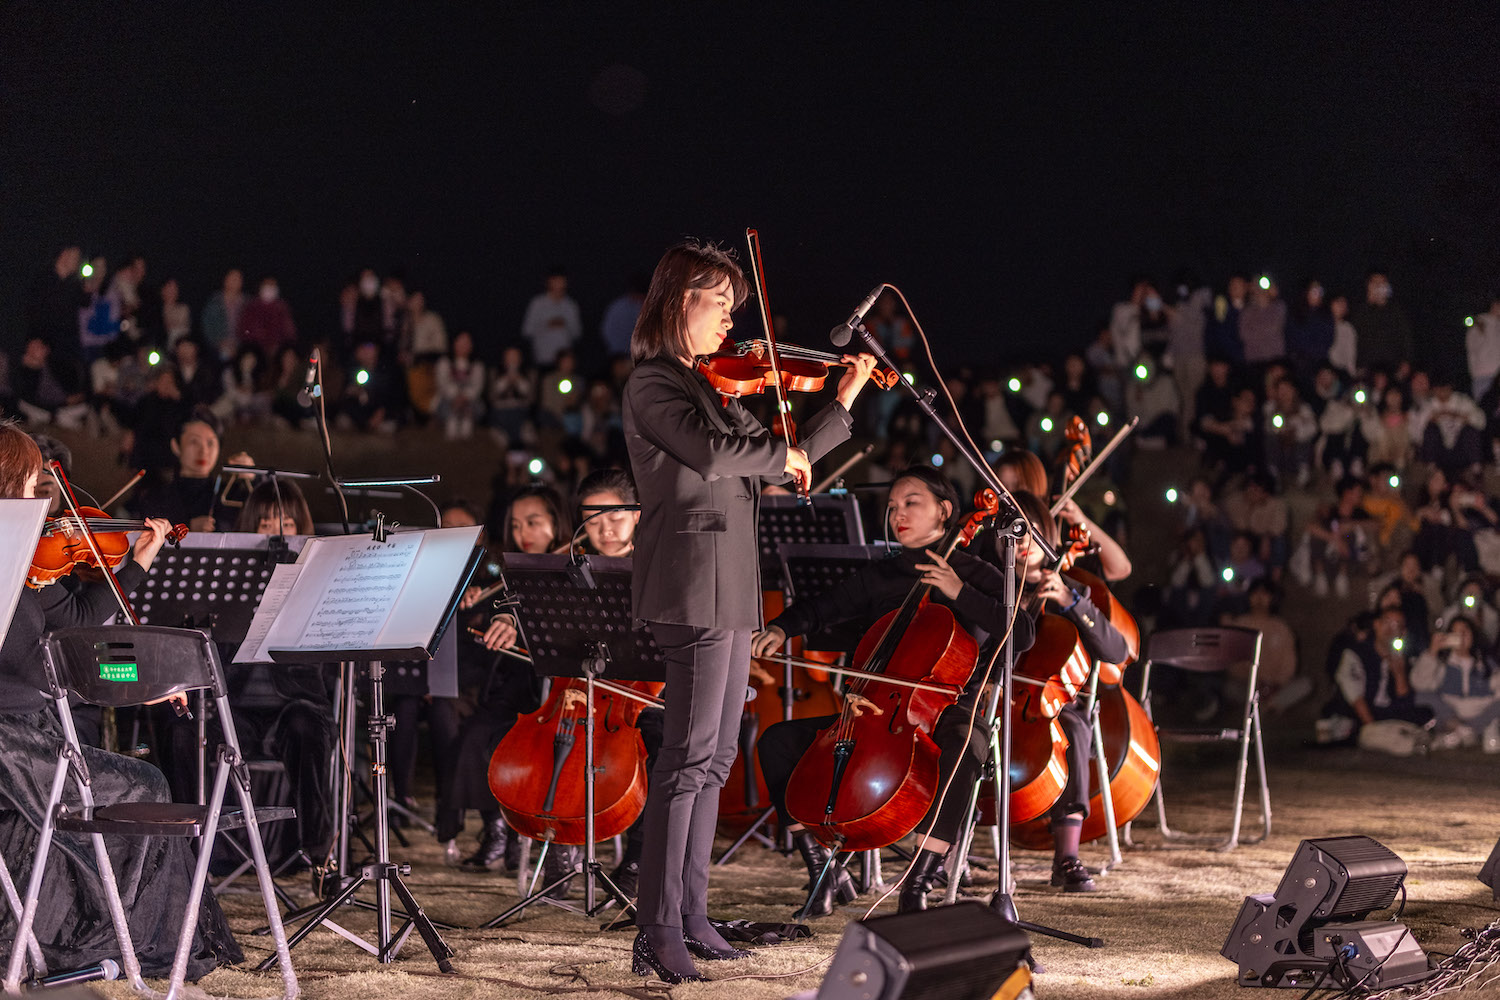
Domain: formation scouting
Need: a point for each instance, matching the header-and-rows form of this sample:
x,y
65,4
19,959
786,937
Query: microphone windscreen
x,y
841,335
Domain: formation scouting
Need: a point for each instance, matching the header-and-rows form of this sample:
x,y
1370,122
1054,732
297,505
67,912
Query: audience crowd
x,y
1335,459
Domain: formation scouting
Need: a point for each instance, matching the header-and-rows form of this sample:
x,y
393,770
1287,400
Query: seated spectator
x,y
1151,397
1444,530
1451,429
40,392
1233,446
1386,504
1309,332
1408,578
1390,435
1410,601
1339,538
1341,446
373,393
1277,679
1193,581
202,385
1372,684
1202,510
1107,373
560,398
1242,569
286,393
221,316
1473,602
512,394
154,422
1290,429
1344,354
1258,512
1078,384
245,398
266,321
459,379
1046,431
1457,682
193,496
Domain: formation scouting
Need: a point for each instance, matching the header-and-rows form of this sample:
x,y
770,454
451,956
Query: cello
x,y
536,772
868,779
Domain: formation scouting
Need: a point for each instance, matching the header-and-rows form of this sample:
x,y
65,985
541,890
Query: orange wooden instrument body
x,y
537,772
1134,755
746,369
868,779
1124,623
812,694
63,545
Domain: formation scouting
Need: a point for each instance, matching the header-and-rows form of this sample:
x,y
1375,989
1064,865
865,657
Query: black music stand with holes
x,y
803,568
575,614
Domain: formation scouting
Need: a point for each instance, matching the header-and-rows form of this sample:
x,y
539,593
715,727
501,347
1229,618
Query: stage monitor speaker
x,y
1490,873
1290,939
960,952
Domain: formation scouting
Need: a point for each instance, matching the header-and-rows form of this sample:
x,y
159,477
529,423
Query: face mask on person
x,y
269,293
1153,303
368,287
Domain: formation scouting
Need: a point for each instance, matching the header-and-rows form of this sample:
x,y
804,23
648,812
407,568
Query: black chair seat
x,y
160,819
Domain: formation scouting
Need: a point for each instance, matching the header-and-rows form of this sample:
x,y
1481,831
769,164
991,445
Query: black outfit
x,y
865,597
183,498
697,460
154,873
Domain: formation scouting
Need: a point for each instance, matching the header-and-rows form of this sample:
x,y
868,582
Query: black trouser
x,y
706,672
650,723
1074,799
442,728
963,748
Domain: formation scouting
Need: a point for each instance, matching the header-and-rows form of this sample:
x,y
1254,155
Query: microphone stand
x,y
1011,525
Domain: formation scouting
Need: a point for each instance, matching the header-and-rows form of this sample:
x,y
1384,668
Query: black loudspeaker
x,y
1490,873
960,952
1312,930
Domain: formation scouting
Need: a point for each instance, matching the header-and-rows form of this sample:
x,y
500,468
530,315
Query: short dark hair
x,y
276,499
616,481
690,266
53,449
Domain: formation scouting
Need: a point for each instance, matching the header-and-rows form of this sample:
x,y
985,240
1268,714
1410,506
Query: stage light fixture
x,y
1312,931
962,952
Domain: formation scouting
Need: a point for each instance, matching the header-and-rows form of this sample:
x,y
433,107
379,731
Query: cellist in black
x,y
922,506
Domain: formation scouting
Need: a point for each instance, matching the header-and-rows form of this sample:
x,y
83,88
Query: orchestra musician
x,y
921,507
155,873
535,522
1051,592
698,462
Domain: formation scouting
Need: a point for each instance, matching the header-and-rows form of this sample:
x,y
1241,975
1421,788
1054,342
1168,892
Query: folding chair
x,y
1207,651
119,666
13,899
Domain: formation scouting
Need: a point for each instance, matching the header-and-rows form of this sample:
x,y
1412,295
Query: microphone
x,y
107,968
311,390
844,332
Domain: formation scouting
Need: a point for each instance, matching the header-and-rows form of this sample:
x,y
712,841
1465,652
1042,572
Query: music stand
x,y
576,616
818,553
369,599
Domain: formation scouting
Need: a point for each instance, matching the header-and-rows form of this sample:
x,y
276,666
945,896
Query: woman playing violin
x,y
922,506
155,872
1051,592
698,462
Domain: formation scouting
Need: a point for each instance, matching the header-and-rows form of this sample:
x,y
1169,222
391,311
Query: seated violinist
x,y
1050,592
922,506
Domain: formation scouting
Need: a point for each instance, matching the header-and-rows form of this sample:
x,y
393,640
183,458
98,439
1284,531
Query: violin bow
x,y
88,536
1098,461
758,275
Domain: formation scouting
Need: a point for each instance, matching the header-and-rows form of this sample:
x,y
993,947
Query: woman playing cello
x,y
922,506
698,463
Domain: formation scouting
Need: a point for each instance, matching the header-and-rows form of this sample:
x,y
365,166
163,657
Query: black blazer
x,y
697,464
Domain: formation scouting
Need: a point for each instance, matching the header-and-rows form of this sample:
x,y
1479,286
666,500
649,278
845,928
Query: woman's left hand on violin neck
x,y
855,377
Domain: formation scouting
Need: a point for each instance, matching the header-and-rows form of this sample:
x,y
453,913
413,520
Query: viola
x,y
64,544
745,369
870,777
536,773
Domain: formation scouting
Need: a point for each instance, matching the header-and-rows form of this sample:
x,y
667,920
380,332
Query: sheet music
x,y
360,594
253,649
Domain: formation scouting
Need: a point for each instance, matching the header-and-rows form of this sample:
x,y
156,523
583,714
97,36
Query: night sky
x,y
1009,171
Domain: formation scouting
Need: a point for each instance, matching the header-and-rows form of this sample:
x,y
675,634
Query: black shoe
x,y
627,878
561,860
709,953
1070,876
644,962
492,841
515,844
918,881
836,883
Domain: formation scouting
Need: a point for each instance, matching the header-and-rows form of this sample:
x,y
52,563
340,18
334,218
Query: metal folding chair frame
x,y
1204,650
205,826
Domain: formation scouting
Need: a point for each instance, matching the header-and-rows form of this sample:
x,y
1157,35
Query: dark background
x,y
1008,170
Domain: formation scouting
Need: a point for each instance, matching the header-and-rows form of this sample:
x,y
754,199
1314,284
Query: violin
x,y
536,773
64,544
745,369
870,777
